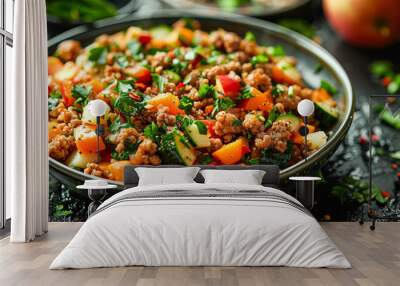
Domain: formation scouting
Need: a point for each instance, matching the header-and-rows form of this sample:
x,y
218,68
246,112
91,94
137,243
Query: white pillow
x,y
166,176
249,177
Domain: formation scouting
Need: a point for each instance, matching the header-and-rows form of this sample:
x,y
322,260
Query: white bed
x,y
138,227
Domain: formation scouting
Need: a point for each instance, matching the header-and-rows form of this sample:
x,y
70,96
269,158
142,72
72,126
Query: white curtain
x,y
26,158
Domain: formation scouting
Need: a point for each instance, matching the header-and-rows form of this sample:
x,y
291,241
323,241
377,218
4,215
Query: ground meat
x,y
113,72
211,73
246,68
194,77
249,47
69,50
279,106
297,154
146,154
61,146
280,133
254,123
65,129
95,170
240,113
215,144
56,111
263,141
163,117
230,42
227,124
67,116
258,79
160,59
125,136
240,56
289,100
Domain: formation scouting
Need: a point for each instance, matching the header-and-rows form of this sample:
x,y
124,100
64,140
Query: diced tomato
x,y
141,74
374,138
66,91
362,140
144,39
134,96
385,194
180,85
228,86
208,109
210,126
386,80
141,86
245,149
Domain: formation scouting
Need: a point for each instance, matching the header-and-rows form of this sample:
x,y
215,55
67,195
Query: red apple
x,y
228,86
365,23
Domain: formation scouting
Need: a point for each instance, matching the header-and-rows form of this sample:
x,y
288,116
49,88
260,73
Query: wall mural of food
x,y
222,100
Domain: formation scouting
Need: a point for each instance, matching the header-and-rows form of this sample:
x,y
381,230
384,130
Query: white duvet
x,y
200,231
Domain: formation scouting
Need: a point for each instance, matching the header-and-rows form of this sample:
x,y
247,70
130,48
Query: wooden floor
x,y
375,257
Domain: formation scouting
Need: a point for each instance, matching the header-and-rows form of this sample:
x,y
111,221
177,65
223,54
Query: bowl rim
x,y
290,36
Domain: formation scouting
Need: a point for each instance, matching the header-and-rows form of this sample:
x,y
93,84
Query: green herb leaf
x,y
328,87
121,60
278,90
153,132
237,122
245,93
381,68
221,104
52,103
276,51
273,157
98,55
81,93
134,47
205,160
272,116
249,36
116,125
259,59
201,126
186,103
206,91
55,94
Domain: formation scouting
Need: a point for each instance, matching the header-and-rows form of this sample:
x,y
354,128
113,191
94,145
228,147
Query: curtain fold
x,y
27,161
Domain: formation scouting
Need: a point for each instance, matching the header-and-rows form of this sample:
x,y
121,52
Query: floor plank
x,y
375,257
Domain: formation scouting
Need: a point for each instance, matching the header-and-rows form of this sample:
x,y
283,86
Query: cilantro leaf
x,y
134,47
272,116
277,90
221,104
245,93
121,60
116,125
55,94
206,90
81,93
201,126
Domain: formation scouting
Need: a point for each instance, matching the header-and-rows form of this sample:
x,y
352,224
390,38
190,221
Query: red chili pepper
x,y
66,91
385,194
394,166
144,39
180,85
386,80
362,140
375,138
245,149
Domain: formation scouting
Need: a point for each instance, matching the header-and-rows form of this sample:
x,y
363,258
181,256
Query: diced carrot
x,y
297,138
208,109
169,100
117,170
231,153
53,65
89,144
260,101
321,95
279,75
97,86
185,35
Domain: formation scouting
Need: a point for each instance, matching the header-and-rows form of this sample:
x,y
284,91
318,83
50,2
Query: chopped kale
x,y
121,60
153,132
273,157
205,160
55,94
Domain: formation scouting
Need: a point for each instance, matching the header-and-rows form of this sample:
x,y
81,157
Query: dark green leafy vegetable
x,y
124,103
273,157
222,104
259,59
278,90
212,59
153,132
81,10
272,116
55,94
81,93
184,121
117,125
276,51
245,93
98,55
249,36
237,122
328,87
186,104
52,103
206,90
130,148
205,160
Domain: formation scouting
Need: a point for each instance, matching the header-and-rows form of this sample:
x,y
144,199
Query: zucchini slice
x,y
175,149
326,114
294,121
80,160
199,140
